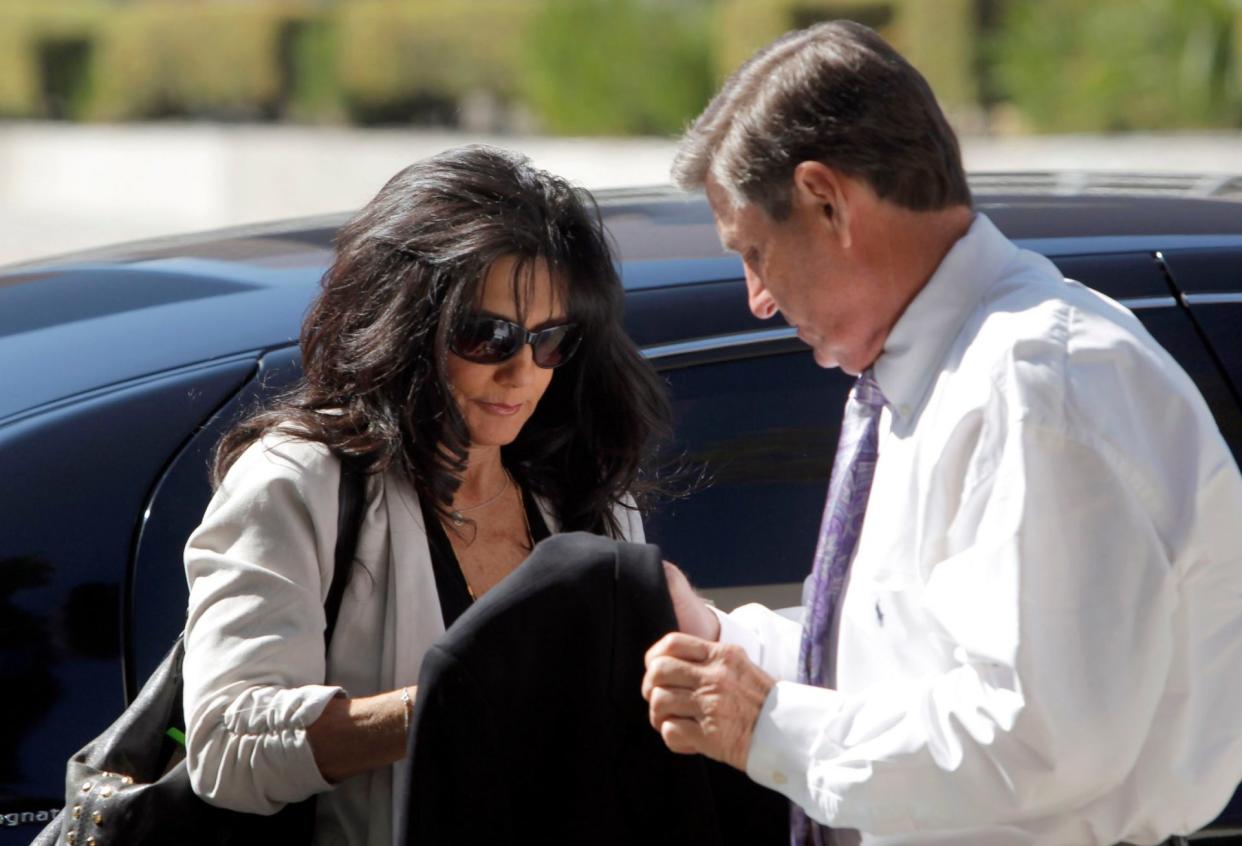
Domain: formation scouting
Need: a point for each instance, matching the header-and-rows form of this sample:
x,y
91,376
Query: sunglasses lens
x,y
554,346
486,341
489,340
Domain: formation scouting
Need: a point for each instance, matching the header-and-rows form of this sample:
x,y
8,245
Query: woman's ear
x,y
825,193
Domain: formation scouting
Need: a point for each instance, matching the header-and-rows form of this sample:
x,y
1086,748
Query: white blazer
x,y
259,568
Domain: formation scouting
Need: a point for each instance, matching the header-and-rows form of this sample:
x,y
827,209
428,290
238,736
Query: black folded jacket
x,y
530,726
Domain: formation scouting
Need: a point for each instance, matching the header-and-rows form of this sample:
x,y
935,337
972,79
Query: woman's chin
x,y
494,435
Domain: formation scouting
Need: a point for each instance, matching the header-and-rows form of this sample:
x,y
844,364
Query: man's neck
x,y
937,233
909,248
915,243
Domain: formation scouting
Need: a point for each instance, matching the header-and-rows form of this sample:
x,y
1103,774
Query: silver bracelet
x,y
408,709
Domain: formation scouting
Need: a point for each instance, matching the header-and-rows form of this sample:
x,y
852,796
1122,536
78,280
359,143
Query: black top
x,y
451,585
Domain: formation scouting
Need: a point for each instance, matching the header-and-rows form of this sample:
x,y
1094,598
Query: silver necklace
x,y
458,515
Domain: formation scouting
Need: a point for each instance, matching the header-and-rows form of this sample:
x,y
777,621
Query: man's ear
x,y
825,192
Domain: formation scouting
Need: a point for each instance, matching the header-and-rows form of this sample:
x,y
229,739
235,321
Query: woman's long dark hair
x,y
375,342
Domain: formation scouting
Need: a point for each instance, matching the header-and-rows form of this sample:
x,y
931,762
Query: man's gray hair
x,y
835,93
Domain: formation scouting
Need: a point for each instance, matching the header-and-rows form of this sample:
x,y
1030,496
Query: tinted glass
x,y
554,346
1212,282
764,430
1210,271
1174,331
1121,276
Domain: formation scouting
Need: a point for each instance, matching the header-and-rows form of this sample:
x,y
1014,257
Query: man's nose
x,y
760,301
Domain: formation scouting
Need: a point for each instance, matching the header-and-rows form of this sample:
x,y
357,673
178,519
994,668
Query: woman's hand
x,y
352,736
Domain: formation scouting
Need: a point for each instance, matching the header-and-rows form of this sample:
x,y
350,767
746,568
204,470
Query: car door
x,y
156,587
77,473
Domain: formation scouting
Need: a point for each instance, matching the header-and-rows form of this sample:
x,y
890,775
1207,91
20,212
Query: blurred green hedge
x,y
401,60
1115,65
581,66
937,36
218,60
234,59
598,66
45,56
619,66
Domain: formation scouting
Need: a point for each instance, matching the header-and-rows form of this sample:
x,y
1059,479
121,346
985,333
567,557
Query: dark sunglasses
x,y
491,340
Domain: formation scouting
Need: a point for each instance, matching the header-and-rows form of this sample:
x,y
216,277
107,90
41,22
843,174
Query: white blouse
x,y
259,568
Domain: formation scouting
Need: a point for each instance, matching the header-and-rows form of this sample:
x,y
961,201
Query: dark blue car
x,y
119,369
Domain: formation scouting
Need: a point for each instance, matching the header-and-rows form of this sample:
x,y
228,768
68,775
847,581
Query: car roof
x,y
662,222
80,322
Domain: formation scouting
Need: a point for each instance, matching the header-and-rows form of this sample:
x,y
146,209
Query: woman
x,y
467,345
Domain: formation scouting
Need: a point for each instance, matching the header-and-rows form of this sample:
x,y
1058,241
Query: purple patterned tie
x,y
852,471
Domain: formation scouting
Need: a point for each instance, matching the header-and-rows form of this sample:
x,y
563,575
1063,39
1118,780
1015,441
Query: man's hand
x,y
704,697
693,615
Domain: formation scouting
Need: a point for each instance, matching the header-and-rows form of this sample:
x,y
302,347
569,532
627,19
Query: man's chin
x,y
819,350
824,358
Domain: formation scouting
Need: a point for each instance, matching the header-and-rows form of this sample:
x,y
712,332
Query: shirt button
x,y
778,777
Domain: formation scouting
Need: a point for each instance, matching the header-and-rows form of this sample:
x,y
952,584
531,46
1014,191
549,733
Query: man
x,y
1040,635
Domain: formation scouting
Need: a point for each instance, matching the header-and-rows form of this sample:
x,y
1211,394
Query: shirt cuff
x,y
734,633
788,736
770,638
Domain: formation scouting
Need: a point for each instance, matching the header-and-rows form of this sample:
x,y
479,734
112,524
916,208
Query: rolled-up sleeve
x,y
254,668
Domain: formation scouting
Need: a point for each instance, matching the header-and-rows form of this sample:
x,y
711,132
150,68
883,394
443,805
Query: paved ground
x,y
65,187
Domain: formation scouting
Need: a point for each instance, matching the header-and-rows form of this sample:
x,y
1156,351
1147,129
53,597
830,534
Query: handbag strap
x,y
351,503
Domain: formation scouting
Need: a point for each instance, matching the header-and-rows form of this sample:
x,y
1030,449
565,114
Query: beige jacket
x,y
259,567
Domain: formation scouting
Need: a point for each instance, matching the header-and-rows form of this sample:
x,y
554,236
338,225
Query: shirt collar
x,y
918,342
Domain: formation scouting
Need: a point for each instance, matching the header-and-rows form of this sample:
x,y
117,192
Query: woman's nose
x,y
520,369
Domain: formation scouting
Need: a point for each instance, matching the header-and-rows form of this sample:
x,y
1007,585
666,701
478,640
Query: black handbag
x,y
131,784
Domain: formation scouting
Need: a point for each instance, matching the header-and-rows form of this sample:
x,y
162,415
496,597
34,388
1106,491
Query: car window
x,y
1137,280
762,430
1212,283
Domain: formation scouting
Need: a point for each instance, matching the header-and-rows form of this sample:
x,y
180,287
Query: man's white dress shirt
x,y
1041,637
256,676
